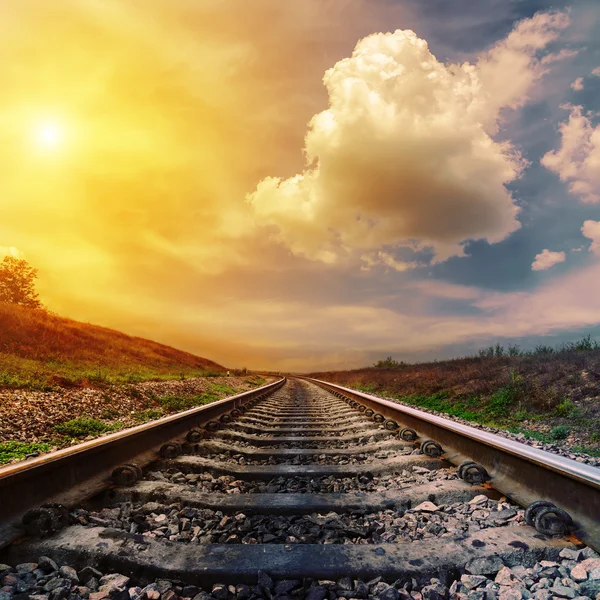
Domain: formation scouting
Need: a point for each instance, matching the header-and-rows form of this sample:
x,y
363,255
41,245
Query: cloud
x,y
388,260
546,259
404,155
577,85
596,72
444,289
591,230
577,160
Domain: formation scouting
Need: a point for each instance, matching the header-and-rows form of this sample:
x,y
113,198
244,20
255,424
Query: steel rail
x,y
73,474
522,473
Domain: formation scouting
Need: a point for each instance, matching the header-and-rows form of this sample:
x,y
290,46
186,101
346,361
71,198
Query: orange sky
x,y
136,134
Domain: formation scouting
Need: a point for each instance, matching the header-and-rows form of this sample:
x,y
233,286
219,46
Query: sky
x,y
307,185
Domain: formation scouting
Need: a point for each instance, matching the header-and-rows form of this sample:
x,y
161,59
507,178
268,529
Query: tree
x,y
17,282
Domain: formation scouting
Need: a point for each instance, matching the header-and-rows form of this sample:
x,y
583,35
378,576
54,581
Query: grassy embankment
x,y
552,395
42,352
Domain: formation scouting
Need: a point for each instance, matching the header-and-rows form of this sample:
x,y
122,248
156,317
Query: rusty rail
x,y
70,475
524,474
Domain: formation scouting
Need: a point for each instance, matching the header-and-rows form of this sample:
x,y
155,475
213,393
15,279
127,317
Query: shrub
x,y
583,345
565,409
388,363
559,433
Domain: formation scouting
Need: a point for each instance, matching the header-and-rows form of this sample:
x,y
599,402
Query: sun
x,y
49,135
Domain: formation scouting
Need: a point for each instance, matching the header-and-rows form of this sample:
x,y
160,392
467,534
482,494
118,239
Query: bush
x,y
565,409
559,433
388,363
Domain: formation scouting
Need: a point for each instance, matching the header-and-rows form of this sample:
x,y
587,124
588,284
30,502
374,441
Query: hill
x,y
40,350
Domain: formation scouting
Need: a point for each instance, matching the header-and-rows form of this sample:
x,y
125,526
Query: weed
x,y
19,450
84,426
595,436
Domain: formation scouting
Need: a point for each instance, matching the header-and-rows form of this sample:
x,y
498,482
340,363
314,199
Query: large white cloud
x,y
546,259
577,161
404,155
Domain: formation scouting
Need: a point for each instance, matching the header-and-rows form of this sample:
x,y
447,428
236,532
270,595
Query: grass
x,y
179,403
84,426
591,450
42,351
149,414
496,411
19,450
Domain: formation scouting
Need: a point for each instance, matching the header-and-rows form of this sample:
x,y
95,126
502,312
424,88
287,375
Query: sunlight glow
x,y
49,135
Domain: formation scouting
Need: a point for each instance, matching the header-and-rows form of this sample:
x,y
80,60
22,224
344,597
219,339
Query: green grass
x,y
149,414
221,388
369,388
172,403
591,450
84,426
499,410
19,450
531,434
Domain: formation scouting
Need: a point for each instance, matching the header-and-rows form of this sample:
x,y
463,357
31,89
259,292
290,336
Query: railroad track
x,y
298,489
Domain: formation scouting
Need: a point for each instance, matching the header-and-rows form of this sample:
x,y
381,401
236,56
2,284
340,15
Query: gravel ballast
x,y
574,576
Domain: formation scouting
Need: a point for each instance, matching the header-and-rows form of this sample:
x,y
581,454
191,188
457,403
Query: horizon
x,y
308,186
